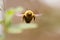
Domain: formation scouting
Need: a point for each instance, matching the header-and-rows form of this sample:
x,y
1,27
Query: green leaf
x,y
9,14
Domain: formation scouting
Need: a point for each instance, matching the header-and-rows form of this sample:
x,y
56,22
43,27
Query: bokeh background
x,y
48,23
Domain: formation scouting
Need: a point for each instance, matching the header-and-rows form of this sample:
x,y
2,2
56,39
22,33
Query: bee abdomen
x,y
28,20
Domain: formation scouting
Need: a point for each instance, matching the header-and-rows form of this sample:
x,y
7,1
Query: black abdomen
x,y
28,19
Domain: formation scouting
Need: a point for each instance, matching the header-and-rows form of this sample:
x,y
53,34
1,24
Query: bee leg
x,y
34,18
23,17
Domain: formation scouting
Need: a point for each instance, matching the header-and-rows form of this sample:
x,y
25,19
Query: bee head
x,y
28,13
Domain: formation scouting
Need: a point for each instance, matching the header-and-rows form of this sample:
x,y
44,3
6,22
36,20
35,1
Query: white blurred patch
x,y
19,28
1,29
52,3
14,30
28,26
1,12
1,2
1,15
1,8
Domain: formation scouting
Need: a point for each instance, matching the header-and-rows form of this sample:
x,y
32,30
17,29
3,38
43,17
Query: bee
x,y
28,16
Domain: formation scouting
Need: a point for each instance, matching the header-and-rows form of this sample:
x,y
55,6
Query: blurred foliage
x,y
10,13
19,9
8,16
15,28
1,21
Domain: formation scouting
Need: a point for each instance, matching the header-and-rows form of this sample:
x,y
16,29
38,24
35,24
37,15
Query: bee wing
x,y
38,14
19,14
